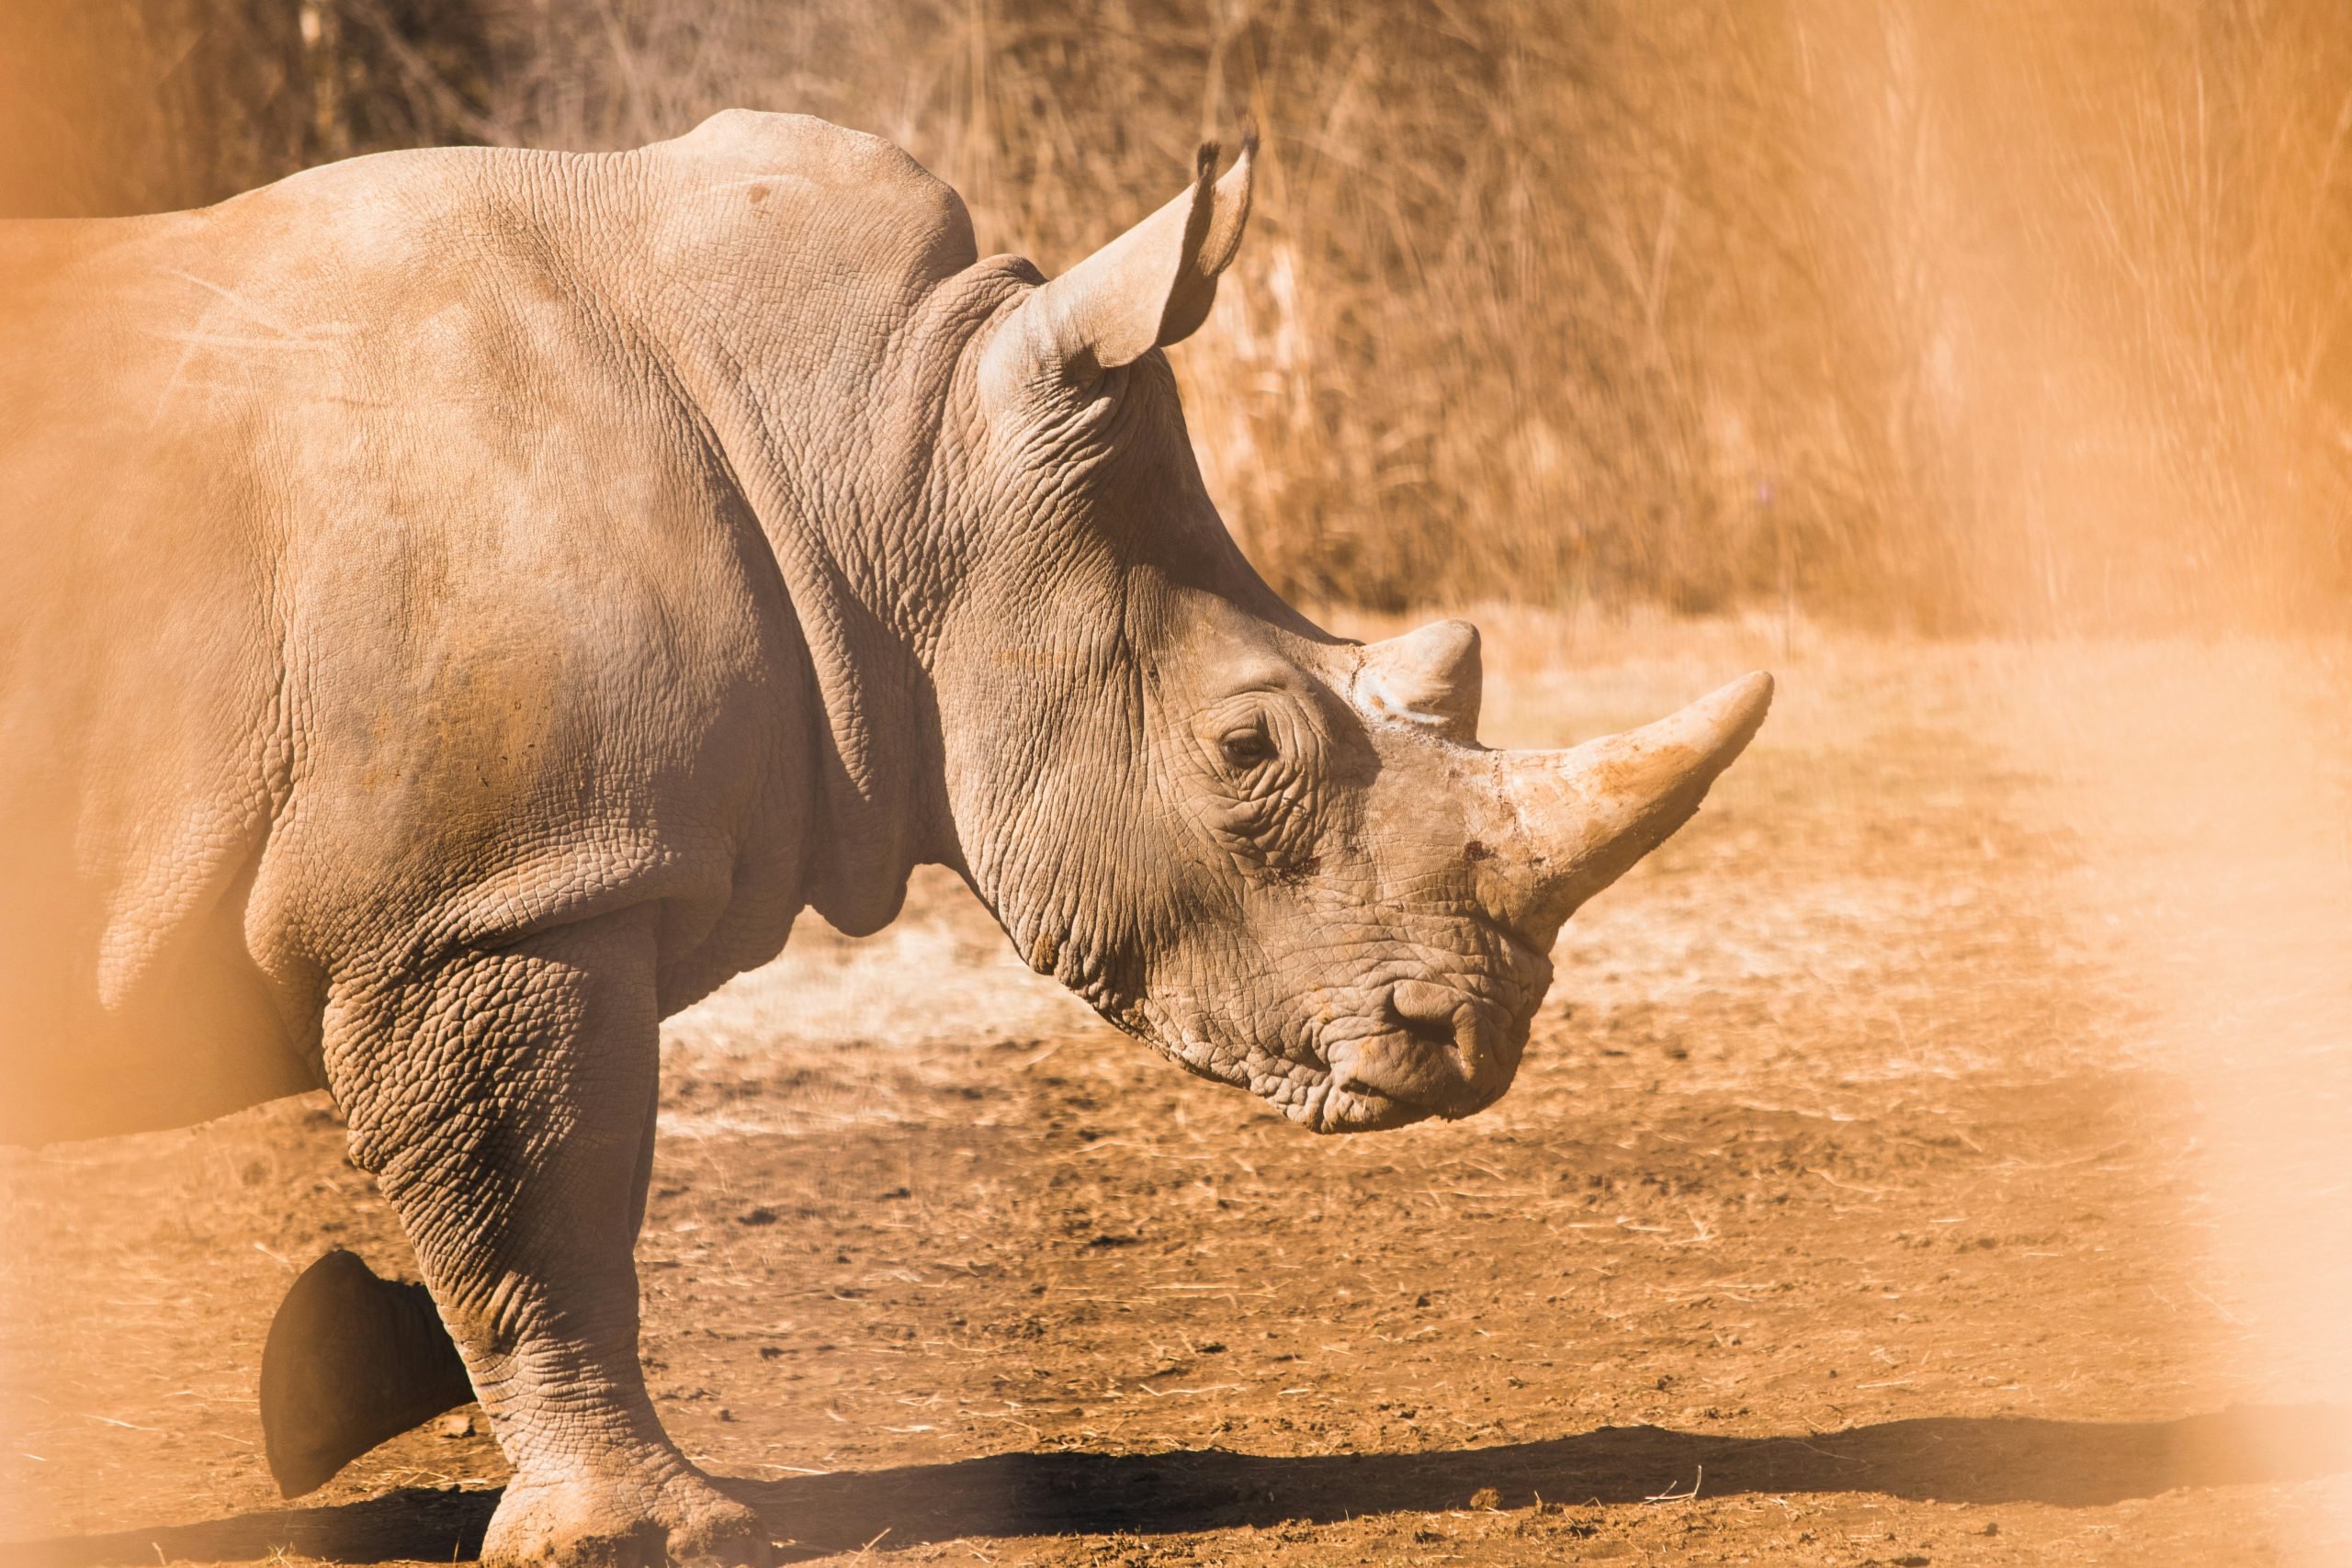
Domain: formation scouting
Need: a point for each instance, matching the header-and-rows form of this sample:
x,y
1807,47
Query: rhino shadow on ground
x,y
1945,1459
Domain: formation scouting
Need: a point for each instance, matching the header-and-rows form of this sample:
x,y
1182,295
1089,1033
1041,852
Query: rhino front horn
x,y
1577,821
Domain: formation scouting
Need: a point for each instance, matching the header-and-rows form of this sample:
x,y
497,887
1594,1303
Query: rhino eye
x,y
1246,749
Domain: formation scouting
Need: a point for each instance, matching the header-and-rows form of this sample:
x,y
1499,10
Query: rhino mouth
x,y
1429,1049
1395,1078
1359,1108
1388,1054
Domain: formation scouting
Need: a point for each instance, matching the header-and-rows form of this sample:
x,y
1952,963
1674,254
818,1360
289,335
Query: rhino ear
x,y
1151,286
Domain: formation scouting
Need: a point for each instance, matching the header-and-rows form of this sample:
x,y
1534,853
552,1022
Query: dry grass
x,y
1989,313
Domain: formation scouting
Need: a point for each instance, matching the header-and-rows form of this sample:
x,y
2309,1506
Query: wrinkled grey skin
x,y
462,604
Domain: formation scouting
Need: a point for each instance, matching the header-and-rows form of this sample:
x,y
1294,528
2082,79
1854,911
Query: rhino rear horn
x,y
1430,677
1149,287
351,1360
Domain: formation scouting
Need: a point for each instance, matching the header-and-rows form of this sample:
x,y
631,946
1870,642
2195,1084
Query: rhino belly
x,y
129,998
197,1036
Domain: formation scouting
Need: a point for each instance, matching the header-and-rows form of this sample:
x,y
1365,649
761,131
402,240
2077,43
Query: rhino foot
x,y
623,1522
352,1362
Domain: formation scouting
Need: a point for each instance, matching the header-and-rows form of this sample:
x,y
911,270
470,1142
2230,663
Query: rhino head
x,y
1281,857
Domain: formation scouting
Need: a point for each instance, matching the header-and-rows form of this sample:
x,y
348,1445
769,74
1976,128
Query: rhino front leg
x,y
507,1109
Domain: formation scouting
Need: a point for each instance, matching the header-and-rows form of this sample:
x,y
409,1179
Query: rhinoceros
x,y
460,606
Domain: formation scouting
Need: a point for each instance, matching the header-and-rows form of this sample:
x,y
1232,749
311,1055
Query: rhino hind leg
x,y
352,1362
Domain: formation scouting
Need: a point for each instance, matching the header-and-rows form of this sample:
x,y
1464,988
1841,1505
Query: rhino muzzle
x,y
1440,1052
1547,830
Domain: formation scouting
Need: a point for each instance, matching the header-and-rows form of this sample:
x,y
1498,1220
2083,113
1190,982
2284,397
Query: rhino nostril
x,y
1425,1012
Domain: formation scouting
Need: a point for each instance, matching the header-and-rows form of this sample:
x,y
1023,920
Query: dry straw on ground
x,y
1981,313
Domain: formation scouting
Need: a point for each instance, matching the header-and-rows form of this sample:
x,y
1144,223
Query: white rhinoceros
x,y
458,606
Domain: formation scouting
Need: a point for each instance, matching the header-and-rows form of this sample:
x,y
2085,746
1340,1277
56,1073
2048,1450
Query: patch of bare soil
x,y
1843,1212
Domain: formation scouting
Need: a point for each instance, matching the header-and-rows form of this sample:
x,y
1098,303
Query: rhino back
x,y
373,592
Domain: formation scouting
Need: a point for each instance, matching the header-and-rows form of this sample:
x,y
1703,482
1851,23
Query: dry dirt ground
x,y
1933,1155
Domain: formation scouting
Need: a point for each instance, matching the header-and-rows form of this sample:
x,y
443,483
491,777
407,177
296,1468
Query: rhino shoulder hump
x,y
791,141
832,162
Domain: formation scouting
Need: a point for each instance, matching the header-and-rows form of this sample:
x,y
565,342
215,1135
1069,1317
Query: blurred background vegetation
x,y
1942,314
